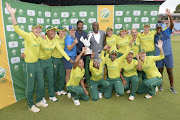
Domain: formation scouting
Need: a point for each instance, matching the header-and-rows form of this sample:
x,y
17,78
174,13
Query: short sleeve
x,y
68,41
168,32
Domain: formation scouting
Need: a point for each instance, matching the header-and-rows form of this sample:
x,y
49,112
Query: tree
x,y
177,9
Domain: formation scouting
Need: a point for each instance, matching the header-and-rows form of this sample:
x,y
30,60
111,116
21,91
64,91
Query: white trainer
x,y
156,89
54,99
44,100
100,95
58,93
63,92
34,109
76,102
69,95
41,104
128,91
131,97
148,96
117,95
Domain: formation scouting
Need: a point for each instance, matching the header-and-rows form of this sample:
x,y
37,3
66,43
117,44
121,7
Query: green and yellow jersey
x,y
112,41
123,43
129,70
135,45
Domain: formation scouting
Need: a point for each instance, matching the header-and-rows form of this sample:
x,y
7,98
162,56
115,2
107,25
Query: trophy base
x,y
88,52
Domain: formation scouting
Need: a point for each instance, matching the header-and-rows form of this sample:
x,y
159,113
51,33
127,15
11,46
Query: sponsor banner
x,y
105,16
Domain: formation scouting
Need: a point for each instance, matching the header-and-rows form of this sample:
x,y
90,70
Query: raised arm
x,y
123,57
168,13
78,58
12,13
161,56
138,66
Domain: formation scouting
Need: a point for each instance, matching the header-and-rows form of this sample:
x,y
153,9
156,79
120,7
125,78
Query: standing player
x,y
165,36
33,71
58,63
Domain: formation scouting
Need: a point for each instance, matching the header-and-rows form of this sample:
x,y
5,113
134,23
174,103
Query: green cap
x,y
147,25
122,29
109,28
131,51
50,28
114,51
141,50
36,24
60,28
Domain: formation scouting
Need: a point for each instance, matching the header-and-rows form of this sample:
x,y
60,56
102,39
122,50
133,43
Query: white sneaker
x,y
76,102
69,95
148,96
41,104
54,99
156,89
117,95
44,100
100,95
128,91
34,109
62,92
131,97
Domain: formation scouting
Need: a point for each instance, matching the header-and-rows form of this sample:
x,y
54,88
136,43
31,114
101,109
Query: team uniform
x,y
131,76
58,65
32,66
45,60
96,80
73,86
123,44
147,43
112,41
135,45
114,69
154,77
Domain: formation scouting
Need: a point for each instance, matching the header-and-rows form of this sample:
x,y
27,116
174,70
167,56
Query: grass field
x,y
164,106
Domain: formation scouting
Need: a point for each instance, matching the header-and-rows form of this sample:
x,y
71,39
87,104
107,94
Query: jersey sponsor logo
x,y
47,14
127,19
118,26
119,13
2,73
91,20
13,44
40,20
144,19
64,14
136,13
36,45
154,13
55,21
105,13
15,60
82,14
30,12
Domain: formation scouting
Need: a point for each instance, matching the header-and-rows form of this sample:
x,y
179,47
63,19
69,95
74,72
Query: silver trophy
x,y
87,44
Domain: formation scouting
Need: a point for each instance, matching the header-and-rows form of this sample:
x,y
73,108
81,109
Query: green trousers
x,y
33,72
149,85
87,73
59,74
133,82
47,68
77,92
93,86
152,53
117,85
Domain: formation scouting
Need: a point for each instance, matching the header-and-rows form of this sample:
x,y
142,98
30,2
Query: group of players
x,y
127,62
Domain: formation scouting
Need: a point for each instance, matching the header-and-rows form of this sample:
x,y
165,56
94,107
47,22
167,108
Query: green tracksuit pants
x,y
87,73
133,82
149,85
33,72
59,74
93,86
47,67
77,92
117,85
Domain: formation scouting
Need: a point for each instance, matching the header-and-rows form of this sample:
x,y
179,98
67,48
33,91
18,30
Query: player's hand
x,y
22,56
86,92
124,82
92,55
71,61
11,10
168,12
75,41
137,57
160,43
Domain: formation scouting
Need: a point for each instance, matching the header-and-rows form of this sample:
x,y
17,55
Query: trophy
x,y
86,43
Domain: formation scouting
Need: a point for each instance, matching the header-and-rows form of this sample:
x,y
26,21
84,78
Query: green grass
x,y
163,106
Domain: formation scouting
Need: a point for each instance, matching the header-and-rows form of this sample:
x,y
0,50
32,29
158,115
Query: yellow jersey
x,y
123,43
129,69
112,41
135,45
